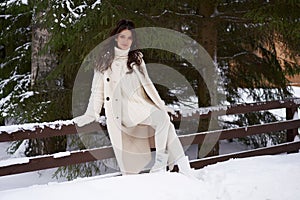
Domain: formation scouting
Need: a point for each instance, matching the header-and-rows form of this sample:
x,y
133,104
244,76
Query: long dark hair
x,y
107,54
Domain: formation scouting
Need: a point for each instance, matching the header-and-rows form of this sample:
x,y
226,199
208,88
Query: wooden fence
x,y
290,124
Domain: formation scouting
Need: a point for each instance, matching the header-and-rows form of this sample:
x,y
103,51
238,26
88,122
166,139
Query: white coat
x,y
131,143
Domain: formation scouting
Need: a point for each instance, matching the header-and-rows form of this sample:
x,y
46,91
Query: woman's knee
x,y
160,114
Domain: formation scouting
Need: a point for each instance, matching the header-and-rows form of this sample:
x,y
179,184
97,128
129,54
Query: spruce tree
x,y
15,61
241,36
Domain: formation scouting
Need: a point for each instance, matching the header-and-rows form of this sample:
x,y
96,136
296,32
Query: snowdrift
x,y
264,177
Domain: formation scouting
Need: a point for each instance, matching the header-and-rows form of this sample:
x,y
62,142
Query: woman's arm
x,y
95,102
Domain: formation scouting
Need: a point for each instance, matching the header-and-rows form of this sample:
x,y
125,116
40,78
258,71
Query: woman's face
x,y
124,39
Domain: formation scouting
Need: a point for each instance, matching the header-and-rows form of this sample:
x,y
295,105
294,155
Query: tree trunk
x,y
43,62
208,39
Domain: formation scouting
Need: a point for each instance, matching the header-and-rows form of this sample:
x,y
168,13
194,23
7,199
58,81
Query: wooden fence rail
x,y
69,158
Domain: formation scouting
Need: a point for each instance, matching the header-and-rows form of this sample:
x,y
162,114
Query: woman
x,y
133,107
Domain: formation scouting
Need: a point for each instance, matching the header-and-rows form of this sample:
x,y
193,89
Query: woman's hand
x,y
170,110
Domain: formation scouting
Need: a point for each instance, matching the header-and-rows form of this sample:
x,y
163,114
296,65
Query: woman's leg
x,y
177,155
159,121
174,147
167,144
166,141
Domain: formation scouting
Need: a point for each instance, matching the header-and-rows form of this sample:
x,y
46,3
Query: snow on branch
x,y
17,2
75,12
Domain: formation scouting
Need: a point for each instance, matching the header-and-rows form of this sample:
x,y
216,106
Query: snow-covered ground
x,y
45,176
256,178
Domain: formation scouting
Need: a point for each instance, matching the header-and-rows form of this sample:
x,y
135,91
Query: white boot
x,y
160,164
185,168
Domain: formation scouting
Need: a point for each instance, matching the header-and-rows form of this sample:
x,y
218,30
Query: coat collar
x,y
120,53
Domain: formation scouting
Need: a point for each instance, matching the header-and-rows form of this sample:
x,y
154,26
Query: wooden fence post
x,y
290,114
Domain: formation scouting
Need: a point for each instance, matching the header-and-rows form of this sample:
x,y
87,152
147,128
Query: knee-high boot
x,y
185,168
161,162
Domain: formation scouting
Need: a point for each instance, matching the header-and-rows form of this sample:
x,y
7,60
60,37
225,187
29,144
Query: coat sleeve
x,y
95,101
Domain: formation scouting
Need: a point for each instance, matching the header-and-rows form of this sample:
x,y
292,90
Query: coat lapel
x,y
149,87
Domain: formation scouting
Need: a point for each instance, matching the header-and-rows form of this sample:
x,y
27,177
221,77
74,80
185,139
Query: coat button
x,y
107,98
107,79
